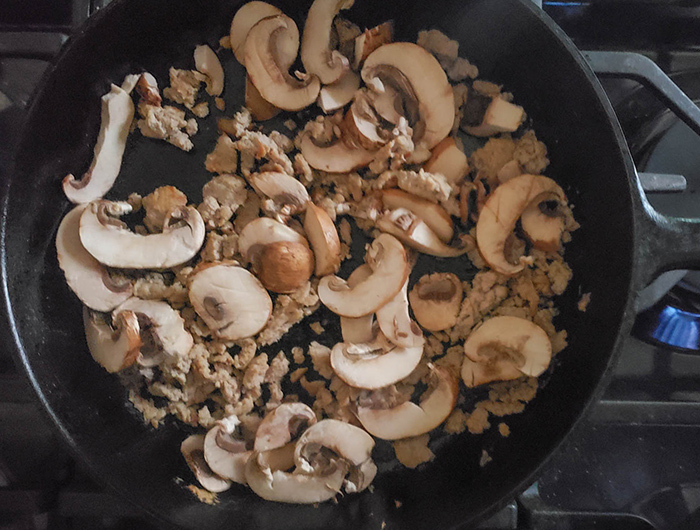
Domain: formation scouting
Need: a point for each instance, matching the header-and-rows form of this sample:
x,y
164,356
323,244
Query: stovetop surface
x,y
633,464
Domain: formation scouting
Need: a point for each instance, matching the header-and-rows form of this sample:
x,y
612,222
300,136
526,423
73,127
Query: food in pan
x,y
330,189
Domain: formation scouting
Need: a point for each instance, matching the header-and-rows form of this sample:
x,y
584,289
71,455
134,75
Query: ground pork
x,y
289,310
412,452
184,86
240,123
228,190
164,123
160,204
224,157
256,146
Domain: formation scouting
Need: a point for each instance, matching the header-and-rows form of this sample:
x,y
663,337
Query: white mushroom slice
x,y
436,300
264,231
409,419
283,189
282,425
115,122
129,83
283,267
362,126
336,96
476,374
112,244
419,77
230,300
542,227
387,258
358,330
386,101
86,276
500,116
374,365
370,40
162,329
335,158
433,215
501,212
360,477
250,14
350,443
324,240
266,70
225,452
512,339
260,108
413,231
114,348
207,62
294,488
316,54
448,160
396,323
278,459
192,449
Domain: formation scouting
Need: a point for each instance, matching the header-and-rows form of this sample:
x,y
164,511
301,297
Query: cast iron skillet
x,y
621,245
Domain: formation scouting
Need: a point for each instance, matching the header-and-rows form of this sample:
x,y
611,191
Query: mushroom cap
x,y
396,323
115,123
358,330
282,425
216,293
207,62
428,82
267,71
192,448
103,236
433,215
86,276
408,419
114,348
225,453
436,300
324,240
250,14
513,339
500,213
335,158
390,270
282,189
335,96
542,229
476,374
348,441
316,54
264,231
284,266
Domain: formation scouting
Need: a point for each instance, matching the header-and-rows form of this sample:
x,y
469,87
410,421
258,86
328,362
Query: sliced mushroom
x,y
230,300
374,365
250,14
543,226
316,54
418,76
409,419
115,122
207,62
259,107
335,158
159,204
86,277
147,88
476,374
264,231
114,348
337,95
284,266
358,330
437,219
396,323
268,72
508,171
225,451
285,190
350,443
386,101
323,238
501,212
486,116
370,40
436,300
360,477
413,231
387,258
284,424
192,449
448,160
362,126
112,244
516,340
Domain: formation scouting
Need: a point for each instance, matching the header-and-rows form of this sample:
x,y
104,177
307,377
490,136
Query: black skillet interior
x,y
512,45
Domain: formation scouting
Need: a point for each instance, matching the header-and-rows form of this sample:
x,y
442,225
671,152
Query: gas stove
x,y
633,464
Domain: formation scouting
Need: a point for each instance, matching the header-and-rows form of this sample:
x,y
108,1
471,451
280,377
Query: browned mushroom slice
x,y
437,219
114,348
436,300
192,449
370,40
207,62
335,158
250,14
284,266
337,95
284,424
324,240
260,108
286,191
316,54
263,231
448,160
226,451
477,374
543,225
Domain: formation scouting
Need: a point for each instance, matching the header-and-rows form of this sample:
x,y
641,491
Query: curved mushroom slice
x,y
418,75
259,107
360,477
358,330
374,365
347,441
337,95
225,452
324,240
316,54
283,189
282,425
114,348
500,213
207,62
396,323
410,229
278,459
267,71
192,449
115,122
86,276
543,226
437,219
370,40
409,419
283,267
516,340
264,231
250,14
476,374
436,300
335,158
390,269
230,300
162,329
448,160
112,244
